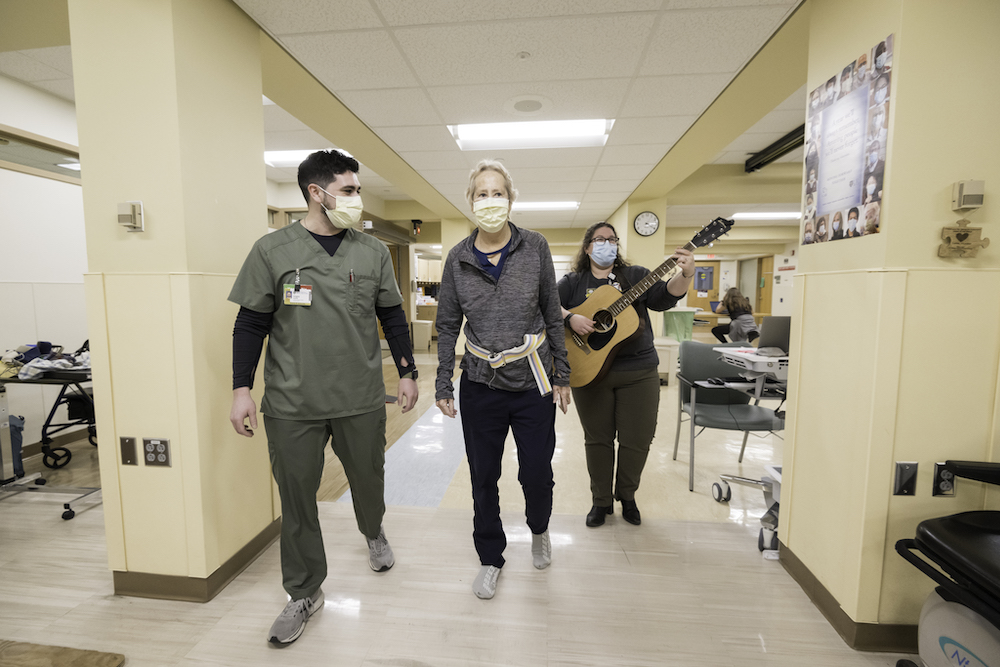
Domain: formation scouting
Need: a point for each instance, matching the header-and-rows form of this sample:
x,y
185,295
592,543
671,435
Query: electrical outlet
x,y
156,451
906,478
944,481
129,457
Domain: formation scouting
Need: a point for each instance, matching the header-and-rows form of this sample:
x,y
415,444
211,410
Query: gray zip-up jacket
x,y
499,313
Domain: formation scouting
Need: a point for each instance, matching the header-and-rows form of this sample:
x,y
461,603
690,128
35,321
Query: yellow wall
x,y
896,350
156,301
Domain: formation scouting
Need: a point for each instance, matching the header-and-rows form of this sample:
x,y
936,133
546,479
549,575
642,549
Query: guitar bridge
x,y
580,343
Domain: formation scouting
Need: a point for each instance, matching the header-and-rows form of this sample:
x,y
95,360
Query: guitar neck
x,y
640,288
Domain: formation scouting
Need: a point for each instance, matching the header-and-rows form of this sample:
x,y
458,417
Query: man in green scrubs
x,y
315,289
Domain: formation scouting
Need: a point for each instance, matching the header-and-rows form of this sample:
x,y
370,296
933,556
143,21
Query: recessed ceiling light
x,y
532,134
546,205
765,215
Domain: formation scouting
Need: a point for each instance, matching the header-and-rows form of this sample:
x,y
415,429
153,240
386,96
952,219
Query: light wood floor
x,y
688,586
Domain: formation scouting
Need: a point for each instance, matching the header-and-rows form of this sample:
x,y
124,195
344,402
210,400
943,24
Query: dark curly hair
x,y
323,167
581,263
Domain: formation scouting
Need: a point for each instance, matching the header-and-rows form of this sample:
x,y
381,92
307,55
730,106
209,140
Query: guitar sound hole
x,y
603,321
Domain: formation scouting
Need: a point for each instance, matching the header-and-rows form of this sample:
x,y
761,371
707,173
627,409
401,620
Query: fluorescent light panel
x,y
546,205
763,215
75,166
532,134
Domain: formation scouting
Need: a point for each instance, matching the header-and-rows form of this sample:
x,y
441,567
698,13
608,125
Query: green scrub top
x,y
323,360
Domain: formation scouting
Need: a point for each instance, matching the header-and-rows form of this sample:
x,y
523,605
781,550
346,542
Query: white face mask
x,y
836,225
871,189
861,72
878,122
873,158
880,61
348,211
822,231
880,95
808,237
815,103
491,214
852,223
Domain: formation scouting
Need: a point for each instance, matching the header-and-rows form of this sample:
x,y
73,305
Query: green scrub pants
x,y
296,449
623,403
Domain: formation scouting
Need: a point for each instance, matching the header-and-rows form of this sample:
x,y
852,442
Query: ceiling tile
x,y
604,198
556,174
546,191
665,130
19,66
595,47
562,100
352,60
418,138
421,160
554,157
391,107
681,95
407,12
637,154
617,187
60,87
680,45
57,57
293,16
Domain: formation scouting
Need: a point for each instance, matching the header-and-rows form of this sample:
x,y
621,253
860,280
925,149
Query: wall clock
x,y
646,223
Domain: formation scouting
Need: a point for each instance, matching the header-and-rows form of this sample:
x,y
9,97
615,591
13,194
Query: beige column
x,y
895,350
647,251
169,107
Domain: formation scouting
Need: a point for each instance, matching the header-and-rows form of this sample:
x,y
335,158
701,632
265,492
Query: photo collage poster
x,y
846,128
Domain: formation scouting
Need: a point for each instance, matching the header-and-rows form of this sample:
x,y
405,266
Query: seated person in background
x,y
741,325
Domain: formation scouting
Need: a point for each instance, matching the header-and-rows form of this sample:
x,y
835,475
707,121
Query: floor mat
x,y
19,654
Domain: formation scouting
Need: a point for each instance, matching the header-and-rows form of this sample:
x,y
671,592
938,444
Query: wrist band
x,y
566,320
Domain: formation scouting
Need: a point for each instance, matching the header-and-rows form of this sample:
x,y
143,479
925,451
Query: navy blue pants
x,y
487,415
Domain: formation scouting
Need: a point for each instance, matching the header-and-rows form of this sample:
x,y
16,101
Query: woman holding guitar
x,y
624,401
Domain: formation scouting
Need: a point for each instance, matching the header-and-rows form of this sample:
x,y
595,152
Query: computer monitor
x,y
774,332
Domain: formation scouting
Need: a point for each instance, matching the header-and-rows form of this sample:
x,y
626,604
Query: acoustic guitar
x,y
615,320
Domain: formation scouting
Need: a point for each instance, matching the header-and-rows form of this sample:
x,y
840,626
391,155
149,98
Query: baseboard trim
x,y
878,637
193,589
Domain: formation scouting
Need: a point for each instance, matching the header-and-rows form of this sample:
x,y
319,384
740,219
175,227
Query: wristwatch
x,y
566,320
409,375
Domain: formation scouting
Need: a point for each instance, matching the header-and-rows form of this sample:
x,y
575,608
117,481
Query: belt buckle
x,y
499,356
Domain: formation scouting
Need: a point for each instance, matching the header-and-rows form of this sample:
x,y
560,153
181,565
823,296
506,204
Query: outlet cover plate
x,y
906,479
156,451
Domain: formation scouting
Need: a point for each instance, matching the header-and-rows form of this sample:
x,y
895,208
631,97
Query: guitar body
x,y
591,361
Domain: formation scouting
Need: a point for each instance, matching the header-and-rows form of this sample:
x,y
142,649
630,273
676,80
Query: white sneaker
x,y
380,556
292,620
485,585
541,550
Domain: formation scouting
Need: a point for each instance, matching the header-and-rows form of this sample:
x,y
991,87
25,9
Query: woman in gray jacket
x,y
502,282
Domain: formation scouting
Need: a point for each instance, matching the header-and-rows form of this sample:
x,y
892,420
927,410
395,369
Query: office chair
x,y
721,408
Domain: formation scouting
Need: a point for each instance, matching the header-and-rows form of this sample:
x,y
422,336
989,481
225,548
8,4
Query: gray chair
x,y
715,408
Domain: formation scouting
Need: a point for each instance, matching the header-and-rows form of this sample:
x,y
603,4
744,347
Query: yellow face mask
x,y
491,213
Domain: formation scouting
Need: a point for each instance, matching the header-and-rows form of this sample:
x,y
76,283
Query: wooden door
x,y
765,282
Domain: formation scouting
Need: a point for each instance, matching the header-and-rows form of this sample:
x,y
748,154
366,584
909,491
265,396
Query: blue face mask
x,y
604,254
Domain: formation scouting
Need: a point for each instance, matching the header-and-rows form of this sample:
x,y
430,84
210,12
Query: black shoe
x,y
630,512
597,513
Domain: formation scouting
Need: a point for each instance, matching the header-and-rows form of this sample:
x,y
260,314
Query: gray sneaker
x,y
380,553
292,621
541,550
485,585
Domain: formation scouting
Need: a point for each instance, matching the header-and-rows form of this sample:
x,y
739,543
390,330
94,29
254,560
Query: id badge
x,y
300,297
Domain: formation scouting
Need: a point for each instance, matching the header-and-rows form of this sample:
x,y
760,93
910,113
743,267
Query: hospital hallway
x,y
688,586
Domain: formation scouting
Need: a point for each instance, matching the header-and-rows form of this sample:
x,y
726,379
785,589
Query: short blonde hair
x,y
490,165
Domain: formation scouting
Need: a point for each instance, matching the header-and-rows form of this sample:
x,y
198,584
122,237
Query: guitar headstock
x,y
712,231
